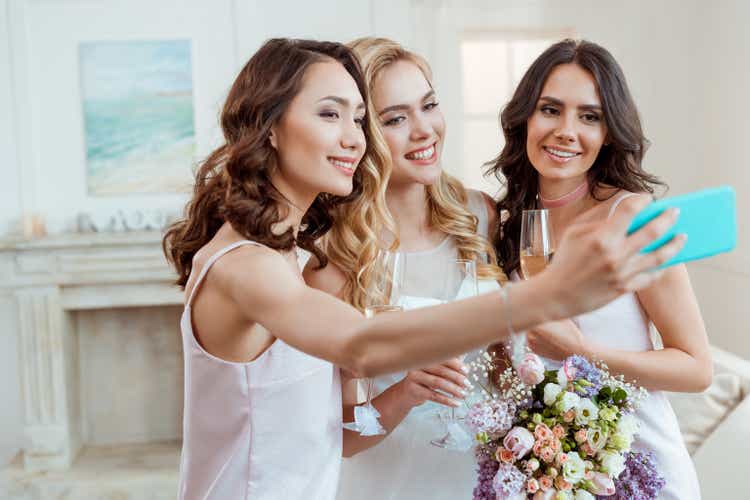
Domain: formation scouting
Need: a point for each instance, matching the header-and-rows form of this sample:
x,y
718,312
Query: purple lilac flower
x,y
508,482
493,417
486,470
640,480
585,370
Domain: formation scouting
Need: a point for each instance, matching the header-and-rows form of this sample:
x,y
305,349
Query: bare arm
x,y
594,264
683,365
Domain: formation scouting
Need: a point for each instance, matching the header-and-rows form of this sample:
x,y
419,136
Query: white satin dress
x,y
405,465
269,429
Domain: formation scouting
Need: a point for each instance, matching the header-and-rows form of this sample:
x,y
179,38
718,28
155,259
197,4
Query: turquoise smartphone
x,y
707,217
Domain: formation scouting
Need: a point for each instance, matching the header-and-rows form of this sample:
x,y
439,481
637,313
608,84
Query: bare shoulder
x,y
614,200
255,277
330,279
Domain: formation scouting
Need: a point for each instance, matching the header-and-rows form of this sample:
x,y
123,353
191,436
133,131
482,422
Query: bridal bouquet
x,y
564,434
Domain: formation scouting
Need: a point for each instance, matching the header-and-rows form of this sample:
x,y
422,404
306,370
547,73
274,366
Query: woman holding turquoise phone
x,y
574,145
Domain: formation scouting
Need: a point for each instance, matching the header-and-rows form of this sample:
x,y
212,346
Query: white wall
x,y
720,135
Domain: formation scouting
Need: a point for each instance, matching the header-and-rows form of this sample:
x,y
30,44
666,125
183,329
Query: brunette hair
x,y
234,183
617,165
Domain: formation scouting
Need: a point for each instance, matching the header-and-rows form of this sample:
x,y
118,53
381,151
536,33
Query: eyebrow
x,y
341,100
558,102
401,107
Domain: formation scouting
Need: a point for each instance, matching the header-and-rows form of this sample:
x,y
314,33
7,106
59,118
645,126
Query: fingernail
x,y
467,383
675,212
463,392
464,368
455,403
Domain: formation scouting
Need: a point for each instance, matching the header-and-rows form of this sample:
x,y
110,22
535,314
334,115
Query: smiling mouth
x,y
560,153
423,154
346,166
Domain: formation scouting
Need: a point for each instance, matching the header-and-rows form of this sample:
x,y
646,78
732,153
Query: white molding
x,y
49,279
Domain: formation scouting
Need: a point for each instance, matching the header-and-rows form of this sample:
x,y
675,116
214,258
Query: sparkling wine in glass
x,y
537,246
537,242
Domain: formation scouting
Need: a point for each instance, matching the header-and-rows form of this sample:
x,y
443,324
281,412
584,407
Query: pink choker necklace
x,y
574,195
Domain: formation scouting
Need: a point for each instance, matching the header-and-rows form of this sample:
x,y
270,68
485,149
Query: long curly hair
x,y
447,198
617,165
234,183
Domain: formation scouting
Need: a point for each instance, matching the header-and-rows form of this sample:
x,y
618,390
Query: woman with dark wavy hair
x,y
262,415
574,145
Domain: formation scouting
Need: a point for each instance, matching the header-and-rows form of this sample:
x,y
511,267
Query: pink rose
x,y
560,459
555,445
519,441
562,485
580,436
547,454
537,449
545,482
531,369
602,484
544,495
569,415
532,486
587,449
558,431
504,455
543,432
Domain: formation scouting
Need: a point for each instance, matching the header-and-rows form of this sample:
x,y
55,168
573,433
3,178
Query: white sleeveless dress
x,y
405,465
269,429
623,324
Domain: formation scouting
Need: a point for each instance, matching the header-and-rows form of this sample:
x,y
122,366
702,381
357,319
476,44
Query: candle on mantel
x,y
33,226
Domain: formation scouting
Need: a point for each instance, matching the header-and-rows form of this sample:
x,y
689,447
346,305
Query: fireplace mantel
x,y
46,280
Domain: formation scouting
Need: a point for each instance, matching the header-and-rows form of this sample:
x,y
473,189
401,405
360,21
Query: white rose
x,y
612,463
569,401
596,438
574,468
586,411
628,425
551,391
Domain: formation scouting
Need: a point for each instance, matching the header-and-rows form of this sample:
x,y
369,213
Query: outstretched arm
x,y
595,263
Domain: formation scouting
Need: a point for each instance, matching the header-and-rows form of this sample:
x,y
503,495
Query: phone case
x,y
708,217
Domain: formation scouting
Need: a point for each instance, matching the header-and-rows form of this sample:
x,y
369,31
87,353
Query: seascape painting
x,y
138,115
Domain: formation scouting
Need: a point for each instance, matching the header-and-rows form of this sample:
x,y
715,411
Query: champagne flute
x,y
459,280
382,297
537,246
537,242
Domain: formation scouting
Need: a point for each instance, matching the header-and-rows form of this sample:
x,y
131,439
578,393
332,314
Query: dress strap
x,y
212,260
618,201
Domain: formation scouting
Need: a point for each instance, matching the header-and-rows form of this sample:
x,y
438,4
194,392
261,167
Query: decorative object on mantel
x,y
125,220
34,226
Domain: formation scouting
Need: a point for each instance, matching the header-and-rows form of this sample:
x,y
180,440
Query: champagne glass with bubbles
x,y
537,246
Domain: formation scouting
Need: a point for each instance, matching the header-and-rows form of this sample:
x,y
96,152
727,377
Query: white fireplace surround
x,y
49,280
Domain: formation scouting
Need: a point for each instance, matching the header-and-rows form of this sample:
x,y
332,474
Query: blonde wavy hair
x,y
447,198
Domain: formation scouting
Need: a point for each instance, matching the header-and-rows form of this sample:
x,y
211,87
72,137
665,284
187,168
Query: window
x,y
492,65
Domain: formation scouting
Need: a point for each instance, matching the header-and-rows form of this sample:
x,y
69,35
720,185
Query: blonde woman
x,y
436,220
